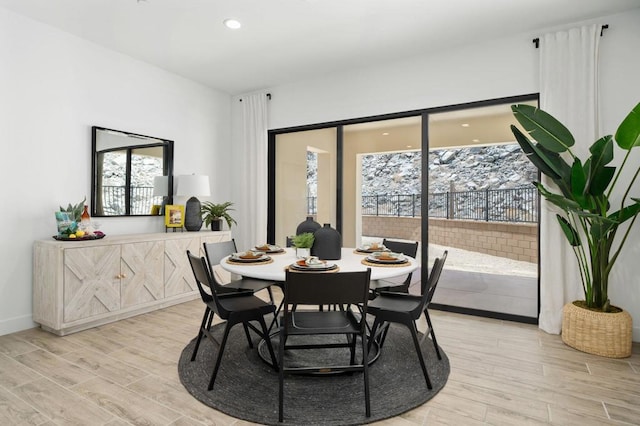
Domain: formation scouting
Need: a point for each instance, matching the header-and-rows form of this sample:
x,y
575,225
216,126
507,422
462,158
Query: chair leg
x,y
268,340
374,329
205,317
281,378
414,335
433,334
246,331
365,368
352,340
272,300
219,357
385,330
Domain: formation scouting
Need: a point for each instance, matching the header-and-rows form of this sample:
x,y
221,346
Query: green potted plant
x,y
590,214
303,243
213,213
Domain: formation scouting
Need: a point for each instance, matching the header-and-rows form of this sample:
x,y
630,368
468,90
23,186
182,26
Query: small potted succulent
x,y
303,243
213,213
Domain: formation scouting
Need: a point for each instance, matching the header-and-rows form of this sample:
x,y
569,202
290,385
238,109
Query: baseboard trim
x,y
13,325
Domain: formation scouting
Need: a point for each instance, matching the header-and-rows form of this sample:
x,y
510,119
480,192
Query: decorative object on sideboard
x,y
160,189
327,244
584,195
74,223
308,225
193,185
213,213
303,243
174,217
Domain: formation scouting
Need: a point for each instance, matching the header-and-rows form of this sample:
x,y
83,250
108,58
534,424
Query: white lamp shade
x,y
193,185
161,186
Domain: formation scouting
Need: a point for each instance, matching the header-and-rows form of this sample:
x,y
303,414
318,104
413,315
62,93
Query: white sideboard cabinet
x,y
83,284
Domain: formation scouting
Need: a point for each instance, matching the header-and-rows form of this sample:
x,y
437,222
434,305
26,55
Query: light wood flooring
x,y
502,373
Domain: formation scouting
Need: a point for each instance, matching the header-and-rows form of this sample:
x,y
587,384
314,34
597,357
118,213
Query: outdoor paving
x,y
479,281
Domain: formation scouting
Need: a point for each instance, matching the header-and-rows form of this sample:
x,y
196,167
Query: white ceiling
x,y
288,40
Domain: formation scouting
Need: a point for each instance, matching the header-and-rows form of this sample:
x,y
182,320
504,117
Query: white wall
x,y
53,88
477,71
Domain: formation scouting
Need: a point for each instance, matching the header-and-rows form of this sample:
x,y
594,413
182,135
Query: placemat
x,y
385,265
234,262
311,270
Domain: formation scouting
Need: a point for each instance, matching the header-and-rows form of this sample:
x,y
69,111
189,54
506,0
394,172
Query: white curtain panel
x,y
569,92
253,177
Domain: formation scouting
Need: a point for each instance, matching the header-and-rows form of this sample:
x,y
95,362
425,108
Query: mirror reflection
x,y
124,168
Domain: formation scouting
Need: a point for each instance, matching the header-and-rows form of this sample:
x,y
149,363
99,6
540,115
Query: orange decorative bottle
x,y
85,219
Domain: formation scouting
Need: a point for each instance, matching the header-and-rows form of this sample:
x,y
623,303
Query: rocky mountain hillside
x,y
464,169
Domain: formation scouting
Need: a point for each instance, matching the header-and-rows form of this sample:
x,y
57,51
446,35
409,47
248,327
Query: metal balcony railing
x,y
491,205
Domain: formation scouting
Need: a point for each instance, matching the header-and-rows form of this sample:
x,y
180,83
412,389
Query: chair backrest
x,y
432,282
318,288
214,253
409,249
203,278
217,251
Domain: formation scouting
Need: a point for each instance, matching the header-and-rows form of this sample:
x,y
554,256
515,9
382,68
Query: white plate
x,y
268,248
368,249
323,266
238,257
389,257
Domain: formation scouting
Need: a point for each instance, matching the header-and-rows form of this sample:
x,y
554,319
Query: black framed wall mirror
x,y
132,174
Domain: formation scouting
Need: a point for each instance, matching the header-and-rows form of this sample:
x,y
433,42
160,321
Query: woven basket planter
x,y
599,333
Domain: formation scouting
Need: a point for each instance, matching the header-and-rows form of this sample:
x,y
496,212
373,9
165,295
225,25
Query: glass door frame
x,y
424,114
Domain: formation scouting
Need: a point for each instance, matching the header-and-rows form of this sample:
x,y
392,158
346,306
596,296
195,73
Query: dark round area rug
x,y
247,387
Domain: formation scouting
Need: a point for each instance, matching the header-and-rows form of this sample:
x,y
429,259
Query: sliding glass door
x,y
451,178
305,179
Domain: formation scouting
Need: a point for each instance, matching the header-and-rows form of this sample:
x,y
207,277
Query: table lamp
x,y
193,185
161,189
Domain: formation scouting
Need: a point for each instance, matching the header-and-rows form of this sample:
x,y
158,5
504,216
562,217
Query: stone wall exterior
x,y
518,241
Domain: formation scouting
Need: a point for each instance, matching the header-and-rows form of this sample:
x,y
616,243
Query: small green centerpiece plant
x,y
303,243
213,213
304,240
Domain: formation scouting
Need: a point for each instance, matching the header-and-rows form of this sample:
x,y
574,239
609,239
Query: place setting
x,y
371,248
269,249
385,258
313,264
250,257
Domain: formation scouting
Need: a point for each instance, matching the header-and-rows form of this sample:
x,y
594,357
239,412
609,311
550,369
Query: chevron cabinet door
x,y
91,281
142,273
178,277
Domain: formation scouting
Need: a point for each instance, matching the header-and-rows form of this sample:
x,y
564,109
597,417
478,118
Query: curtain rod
x,y
268,97
536,40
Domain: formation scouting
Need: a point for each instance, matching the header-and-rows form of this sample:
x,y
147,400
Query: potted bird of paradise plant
x,y
593,200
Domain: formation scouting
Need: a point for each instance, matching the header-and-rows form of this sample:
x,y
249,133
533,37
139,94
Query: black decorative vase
x,y
192,215
327,244
308,225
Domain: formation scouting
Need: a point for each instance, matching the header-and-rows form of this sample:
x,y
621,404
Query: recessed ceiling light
x,y
476,140
234,24
409,146
465,124
385,134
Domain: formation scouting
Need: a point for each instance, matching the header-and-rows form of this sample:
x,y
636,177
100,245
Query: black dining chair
x,y
217,251
235,308
342,289
406,248
403,308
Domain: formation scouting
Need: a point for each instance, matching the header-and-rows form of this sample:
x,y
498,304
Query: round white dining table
x,y
350,261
